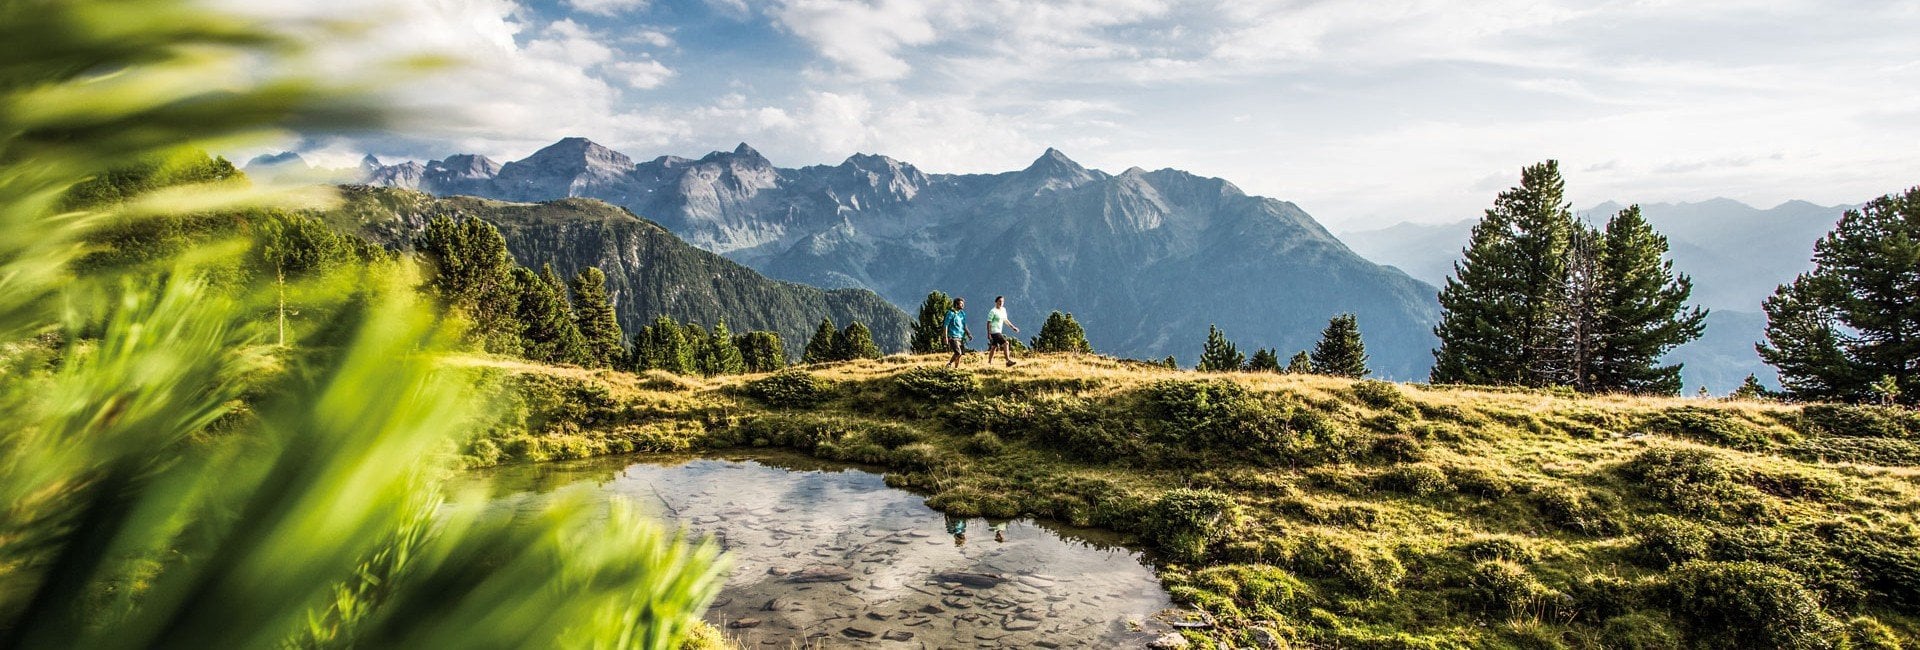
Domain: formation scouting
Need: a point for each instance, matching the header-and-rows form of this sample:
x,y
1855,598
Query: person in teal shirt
x,y
957,330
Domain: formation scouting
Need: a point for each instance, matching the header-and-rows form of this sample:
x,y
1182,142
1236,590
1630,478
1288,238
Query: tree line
x,y
1340,352
1543,299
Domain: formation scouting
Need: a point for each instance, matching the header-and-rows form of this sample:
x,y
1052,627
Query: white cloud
x,y
607,7
862,38
642,74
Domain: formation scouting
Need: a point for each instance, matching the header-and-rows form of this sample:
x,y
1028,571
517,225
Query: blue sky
x,y
1364,113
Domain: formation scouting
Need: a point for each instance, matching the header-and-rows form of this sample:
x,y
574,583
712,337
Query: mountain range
x,y
650,272
1145,260
1735,253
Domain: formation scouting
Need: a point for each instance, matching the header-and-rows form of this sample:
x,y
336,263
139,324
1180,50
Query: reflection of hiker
x,y
957,527
999,531
996,320
957,330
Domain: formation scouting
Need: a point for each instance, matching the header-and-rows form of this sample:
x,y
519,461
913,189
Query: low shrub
x,y
1417,480
1208,414
1497,547
1640,631
891,435
1694,481
1503,586
937,383
922,457
1713,426
1184,521
984,443
1380,394
1573,509
1597,597
1860,421
1892,452
1747,605
1399,448
1366,572
1868,633
789,388
1478,482
1252,591
1662,541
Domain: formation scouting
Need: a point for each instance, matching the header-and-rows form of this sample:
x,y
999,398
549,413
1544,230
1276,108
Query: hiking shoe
x,y
1011,364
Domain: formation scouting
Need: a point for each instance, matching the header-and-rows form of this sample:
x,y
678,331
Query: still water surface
x,y
829,556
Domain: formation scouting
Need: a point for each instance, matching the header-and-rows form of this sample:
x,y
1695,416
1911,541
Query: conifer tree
x,y
1340,351
855,342
825,344
1854,321
1219,354
1643,312
548,332
1751,389
473,274
697,341
662,345
1264,360
1502,302
930,330
1170,363
1061,333
720,356
762,351
593,312
1300,364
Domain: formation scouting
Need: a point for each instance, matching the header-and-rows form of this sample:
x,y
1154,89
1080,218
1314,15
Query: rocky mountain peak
x,y
579,153
466,165
277,160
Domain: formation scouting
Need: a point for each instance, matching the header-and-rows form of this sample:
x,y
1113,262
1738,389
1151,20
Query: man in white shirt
x,y
996,321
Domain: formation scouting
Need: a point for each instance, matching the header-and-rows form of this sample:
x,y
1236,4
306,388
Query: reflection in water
x,y
832,555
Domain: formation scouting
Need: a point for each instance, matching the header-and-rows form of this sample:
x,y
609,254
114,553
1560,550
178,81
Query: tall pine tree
x,y
930,330
1854,320
1505,297
1340,351
720,356
855,342
663,345
762,351
548,333
1264,360
1642,312
1300,364
1061,333
593,312
825,344
473,275
1219,354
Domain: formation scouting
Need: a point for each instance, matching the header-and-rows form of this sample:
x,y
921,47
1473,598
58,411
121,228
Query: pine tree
x,y
1501,305
1751,389
473,275
1170,363
930,331
1061,333
855,342
1340,351
1264,360
593,312
697,342
1220,355
1854,321
762,351
825,344
1300,364
720,356
548,333
1643,311
663,345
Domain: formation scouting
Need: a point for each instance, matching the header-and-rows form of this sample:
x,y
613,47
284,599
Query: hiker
x,y
957,527
996,321
957,331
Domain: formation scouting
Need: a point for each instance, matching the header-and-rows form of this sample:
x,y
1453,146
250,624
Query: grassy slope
x,y
1362,514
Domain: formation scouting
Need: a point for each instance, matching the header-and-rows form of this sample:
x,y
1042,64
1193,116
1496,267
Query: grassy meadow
x,y
1312,511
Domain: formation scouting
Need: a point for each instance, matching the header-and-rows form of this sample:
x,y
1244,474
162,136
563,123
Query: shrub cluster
x,y
1747,605
938,383
1714,426
1184,521
1693,481
1417,480
1663,541
1504,586
1245,592
790,388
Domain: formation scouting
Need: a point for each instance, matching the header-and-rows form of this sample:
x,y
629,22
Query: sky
x,y
1363,113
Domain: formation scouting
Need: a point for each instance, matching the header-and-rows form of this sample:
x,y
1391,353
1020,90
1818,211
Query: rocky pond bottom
x,y
829,556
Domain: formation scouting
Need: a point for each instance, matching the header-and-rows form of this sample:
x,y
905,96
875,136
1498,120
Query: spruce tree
x,y
720,356
593,312
548,333
930,330
473,275
1264,360
762,351
825,344
1751,389
1643,311
1854,321
1502,303
1219,354
1300,364
1170,363
697,344
663,345
1340,351
1061,333
855,342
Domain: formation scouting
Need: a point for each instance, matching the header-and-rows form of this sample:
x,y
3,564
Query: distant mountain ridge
x,y
1145,260
650,272
1735,253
